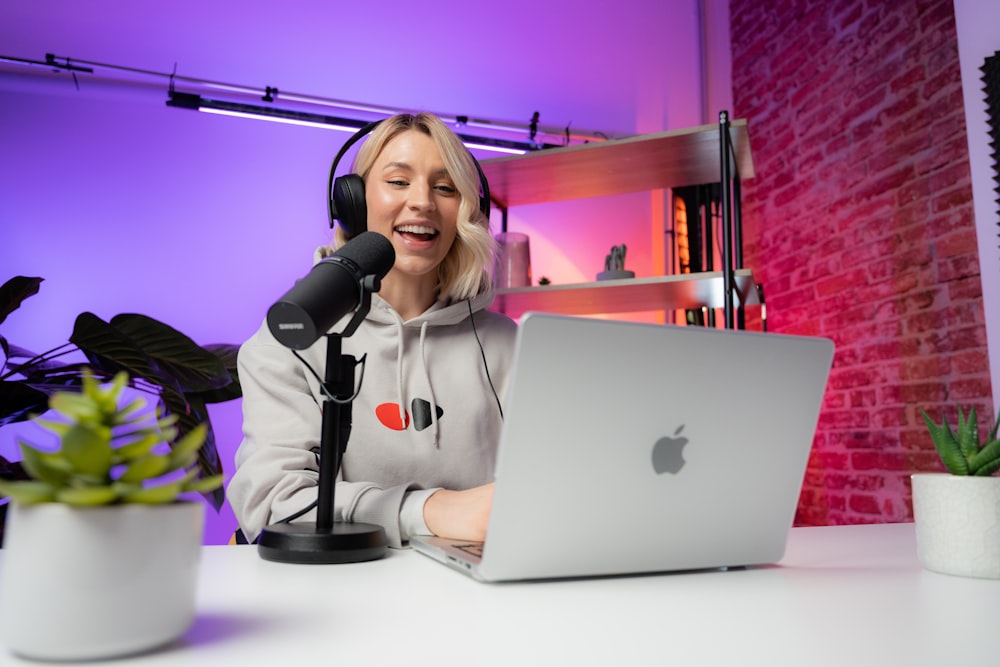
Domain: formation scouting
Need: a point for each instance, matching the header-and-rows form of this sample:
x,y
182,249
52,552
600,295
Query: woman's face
x,y
412,201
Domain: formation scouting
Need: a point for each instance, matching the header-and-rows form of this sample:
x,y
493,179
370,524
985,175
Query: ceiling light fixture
x,y
182,100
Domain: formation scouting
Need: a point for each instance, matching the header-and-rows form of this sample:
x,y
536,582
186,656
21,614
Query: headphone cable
x,y
482,352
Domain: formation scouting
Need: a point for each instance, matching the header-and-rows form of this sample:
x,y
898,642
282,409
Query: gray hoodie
x,y
425,418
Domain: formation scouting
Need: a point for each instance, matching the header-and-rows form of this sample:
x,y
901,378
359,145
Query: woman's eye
x,y
396,182
447,189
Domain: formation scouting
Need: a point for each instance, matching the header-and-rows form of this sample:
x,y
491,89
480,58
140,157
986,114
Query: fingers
x,y
462,515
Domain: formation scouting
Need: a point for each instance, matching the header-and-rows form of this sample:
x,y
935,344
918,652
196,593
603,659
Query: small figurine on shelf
x,y
614,265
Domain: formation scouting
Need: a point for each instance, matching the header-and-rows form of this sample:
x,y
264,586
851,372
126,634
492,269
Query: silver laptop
x,y
634,448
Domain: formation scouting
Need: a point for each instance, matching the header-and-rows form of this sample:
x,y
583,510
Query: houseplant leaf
x,y
190,413
87,496
88,448
27,492
175,356
227,354
993,431
146,467
43,466
204,484
141,446
946,445
75,406
19,401
987,460
156,495
184,452
968,433
108,349
14,291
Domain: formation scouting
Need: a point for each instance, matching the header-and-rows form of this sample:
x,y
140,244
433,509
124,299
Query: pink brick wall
x,y
859,223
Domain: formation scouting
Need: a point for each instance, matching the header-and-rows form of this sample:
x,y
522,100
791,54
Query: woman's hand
x,y
460,515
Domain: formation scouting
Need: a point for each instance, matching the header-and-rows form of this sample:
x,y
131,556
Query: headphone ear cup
x,y
485,202
348,204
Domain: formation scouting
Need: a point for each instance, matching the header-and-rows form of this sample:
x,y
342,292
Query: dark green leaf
x,y
968,433
190,413
946,445
15,352
14,291
50,378
110,350
988,457
227,354
12,470
46,362
993,431
19,401
190,367
989,468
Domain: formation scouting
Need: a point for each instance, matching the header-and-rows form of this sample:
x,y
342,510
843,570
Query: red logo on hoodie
x,y
388,415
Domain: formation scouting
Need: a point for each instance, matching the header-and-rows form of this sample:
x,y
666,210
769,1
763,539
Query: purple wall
x,y
125,205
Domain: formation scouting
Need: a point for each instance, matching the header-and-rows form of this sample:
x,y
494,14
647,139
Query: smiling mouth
x,y
418,232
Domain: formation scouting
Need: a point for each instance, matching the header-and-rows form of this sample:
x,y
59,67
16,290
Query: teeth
x,y
415,229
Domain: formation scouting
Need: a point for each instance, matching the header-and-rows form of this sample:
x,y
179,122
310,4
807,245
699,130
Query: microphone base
x,y
307,543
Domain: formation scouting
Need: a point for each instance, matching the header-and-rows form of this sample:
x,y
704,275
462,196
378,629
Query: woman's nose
x,y
420,196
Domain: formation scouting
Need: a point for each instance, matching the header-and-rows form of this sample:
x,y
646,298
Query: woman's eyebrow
x,y
443,171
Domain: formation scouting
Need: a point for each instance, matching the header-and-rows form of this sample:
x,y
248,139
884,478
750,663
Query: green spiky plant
x,y
961,451
110,453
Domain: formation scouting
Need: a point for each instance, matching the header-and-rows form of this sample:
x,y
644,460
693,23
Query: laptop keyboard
x,y
473,548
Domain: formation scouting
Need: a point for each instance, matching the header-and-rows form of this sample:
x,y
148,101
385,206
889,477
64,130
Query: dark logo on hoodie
x,y
389,415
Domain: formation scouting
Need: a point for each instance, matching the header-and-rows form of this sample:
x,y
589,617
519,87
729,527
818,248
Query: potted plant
x,y
102,542
183,376
957,513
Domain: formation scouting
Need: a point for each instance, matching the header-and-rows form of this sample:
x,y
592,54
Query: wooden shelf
x,y
646,162
675,292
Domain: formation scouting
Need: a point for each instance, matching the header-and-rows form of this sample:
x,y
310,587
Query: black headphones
x,y
346,194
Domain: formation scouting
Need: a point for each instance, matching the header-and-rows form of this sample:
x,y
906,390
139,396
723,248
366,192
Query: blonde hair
x,y
465,271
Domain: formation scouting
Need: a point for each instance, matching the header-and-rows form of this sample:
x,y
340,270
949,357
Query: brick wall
x,y
859,223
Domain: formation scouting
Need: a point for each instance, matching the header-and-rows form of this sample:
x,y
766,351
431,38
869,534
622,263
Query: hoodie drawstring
x,y
399,373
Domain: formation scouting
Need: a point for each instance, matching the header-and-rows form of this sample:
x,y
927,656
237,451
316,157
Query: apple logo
x,y
668,453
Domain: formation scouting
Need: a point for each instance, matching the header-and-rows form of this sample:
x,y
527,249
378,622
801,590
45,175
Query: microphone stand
x,y
331,541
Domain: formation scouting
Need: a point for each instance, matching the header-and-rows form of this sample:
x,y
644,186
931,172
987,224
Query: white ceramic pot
x,y
91,583
958,523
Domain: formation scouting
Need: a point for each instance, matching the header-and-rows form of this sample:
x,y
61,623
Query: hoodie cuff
x,y
411,514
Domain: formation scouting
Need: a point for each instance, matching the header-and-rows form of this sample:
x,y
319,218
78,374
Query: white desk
x,y
848,595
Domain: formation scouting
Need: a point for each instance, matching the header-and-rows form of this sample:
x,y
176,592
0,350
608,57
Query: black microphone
x,y
329,291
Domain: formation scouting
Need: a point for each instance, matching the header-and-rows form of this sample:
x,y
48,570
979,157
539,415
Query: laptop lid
x,y
631,447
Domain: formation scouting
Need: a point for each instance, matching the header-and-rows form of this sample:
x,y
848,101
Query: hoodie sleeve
x,y
276,470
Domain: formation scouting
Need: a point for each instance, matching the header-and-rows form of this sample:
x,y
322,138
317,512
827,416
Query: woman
x,y
427,419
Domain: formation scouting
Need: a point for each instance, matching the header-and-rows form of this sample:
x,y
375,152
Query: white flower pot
x,y
91,583
958,524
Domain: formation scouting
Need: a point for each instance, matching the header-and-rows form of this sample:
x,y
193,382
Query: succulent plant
x,y
110,453
961,451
